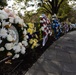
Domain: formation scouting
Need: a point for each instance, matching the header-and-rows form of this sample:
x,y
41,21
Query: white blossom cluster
x,y
8,37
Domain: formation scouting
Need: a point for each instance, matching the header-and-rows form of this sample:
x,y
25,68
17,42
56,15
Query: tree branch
x,y
50,2
47,9
49,5
56,3
58,6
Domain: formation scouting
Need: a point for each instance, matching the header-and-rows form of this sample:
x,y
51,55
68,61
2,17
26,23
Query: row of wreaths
x,y
16,36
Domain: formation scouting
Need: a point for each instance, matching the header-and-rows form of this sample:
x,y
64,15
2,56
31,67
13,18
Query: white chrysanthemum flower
x,y
17,19
4,13
9,38
9,46
2,16
17,48
2,49
23,50
25,43
27,36
16,56
3,33
5,23
21,21
0,41
11,20
20,44
25,32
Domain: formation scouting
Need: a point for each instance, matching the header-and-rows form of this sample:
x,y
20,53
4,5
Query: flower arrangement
x,y
13,35
45,25
34,43
33,37
31,29
45,28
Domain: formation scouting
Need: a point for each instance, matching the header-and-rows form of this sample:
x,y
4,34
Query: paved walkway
x,y
58,59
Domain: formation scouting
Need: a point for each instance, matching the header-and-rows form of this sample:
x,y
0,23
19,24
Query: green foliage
x,y
72,16
64,11
31,17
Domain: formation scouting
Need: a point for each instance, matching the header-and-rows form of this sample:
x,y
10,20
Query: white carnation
x,y
20,44
11,20
4,23
23,50
27,36
9,38
3,33
17,19
2,16
2,12
16,56
17,49
9,46
2,49
21,21
25,32
25,43
0,41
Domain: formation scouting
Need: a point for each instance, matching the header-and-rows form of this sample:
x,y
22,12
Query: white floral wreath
x,y
13,35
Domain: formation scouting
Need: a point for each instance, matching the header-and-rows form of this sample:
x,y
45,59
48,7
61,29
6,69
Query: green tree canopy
x,y
64,10
52,6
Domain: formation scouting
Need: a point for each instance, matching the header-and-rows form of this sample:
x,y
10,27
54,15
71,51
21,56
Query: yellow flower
x,y
29,30
35,43
31,25
31,41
